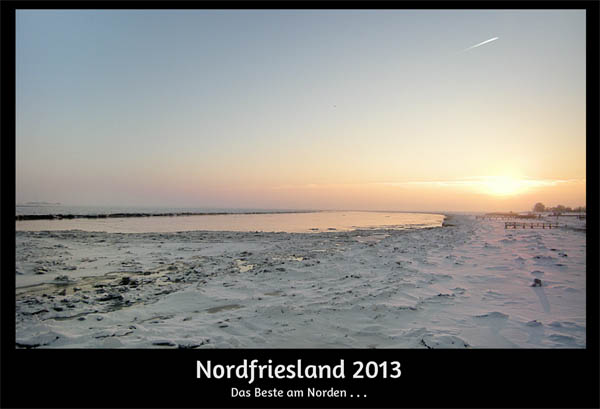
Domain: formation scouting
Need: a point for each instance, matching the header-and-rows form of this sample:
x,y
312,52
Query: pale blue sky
x,y
230,108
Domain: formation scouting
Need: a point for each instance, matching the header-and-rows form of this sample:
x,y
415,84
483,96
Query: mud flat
x,y
466,285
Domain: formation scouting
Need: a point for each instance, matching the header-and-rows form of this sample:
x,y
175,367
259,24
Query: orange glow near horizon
x,y
474,194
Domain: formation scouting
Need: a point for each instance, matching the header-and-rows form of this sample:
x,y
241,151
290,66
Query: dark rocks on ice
x,y
35,312
164,343
191,346
536,282
493,314
29,346
111,296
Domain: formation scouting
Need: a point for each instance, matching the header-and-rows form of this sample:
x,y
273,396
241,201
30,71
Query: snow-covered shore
x,y
465,285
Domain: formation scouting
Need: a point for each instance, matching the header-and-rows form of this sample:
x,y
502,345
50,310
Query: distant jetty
x,y
506,216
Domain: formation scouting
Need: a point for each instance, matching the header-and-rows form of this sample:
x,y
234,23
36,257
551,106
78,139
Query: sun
x,y
503,185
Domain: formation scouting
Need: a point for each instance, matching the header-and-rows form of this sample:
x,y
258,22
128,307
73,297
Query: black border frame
x,y
159,378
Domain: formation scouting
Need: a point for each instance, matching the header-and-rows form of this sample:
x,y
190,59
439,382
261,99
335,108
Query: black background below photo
x,y
429,378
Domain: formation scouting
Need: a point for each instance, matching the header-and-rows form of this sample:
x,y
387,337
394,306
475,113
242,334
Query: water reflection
x,y
327,221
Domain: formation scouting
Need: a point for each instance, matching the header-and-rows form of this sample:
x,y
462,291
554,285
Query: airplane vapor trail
x,y
482,43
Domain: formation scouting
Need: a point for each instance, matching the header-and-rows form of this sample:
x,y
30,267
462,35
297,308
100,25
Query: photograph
x,y
331,179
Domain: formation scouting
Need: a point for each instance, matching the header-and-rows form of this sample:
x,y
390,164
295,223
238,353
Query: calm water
x,y
267,222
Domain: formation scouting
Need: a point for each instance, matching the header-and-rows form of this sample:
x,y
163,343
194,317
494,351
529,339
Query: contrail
x,y
482,43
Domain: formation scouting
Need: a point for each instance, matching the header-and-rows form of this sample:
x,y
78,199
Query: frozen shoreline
x,y
465,285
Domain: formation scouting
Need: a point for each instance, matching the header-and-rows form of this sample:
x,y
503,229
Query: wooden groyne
x,y
522,225
20,217
579,216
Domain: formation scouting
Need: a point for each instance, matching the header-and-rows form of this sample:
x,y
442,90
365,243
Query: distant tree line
x,y
539,207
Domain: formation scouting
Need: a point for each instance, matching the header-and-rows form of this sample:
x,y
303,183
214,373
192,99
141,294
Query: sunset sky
x,y
323,109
